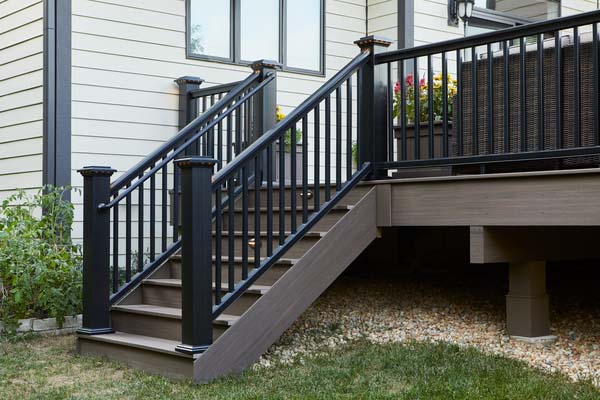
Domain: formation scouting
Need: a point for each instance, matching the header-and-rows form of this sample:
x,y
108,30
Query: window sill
x,y
225,61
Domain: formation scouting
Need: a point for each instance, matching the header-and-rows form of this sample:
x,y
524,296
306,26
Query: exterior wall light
x,y
462,9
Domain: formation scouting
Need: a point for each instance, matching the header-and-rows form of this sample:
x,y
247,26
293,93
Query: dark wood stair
x,y
147,321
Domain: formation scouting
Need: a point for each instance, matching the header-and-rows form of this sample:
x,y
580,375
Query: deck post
x,y
264,103
188,107
527,306
375,95
96,251
196,254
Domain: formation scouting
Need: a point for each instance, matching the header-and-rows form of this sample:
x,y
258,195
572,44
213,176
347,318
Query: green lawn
x,y
46,368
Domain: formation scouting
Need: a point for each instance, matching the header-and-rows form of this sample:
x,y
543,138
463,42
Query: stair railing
x,y
516,99
132,225
341,121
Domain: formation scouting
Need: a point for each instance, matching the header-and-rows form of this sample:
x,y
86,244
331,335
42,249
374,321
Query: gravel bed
x,y
399,310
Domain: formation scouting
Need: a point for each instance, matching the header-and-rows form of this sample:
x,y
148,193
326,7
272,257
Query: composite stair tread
x,y
169,312
139,341
274,233
257,289
342,207
281,261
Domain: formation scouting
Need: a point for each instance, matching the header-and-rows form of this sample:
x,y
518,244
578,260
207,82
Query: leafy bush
x,y
40,267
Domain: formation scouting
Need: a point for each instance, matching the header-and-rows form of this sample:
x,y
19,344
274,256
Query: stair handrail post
x,y
373,118
264,103
188,106
196,253
96,250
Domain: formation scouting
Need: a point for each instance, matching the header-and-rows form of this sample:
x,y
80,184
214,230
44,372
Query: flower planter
x,y
287,162
438,142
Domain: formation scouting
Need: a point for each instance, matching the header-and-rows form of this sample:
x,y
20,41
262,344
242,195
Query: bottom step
x,y
142,352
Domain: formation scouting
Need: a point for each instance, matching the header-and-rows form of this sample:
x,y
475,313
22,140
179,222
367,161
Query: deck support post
x,y
196,254
375,95
96,251
188,107
527,306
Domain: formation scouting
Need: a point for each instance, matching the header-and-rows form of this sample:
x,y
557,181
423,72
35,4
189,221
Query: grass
x,y
47,368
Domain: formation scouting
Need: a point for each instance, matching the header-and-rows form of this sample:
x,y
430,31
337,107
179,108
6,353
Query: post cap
x,y
372,40
261,64
93,170
195,161
192,80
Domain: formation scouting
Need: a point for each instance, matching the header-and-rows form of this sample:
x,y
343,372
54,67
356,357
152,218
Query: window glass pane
x,y
304,34
259,30
531,9
210,28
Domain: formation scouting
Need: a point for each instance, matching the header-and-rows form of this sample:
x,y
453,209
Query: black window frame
x,y
235,40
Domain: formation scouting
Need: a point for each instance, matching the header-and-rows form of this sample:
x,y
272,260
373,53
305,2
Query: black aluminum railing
x,y
132,225
261,181
529,93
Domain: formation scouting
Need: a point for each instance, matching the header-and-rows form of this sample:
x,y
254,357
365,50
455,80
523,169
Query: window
x,y
489,15
242,31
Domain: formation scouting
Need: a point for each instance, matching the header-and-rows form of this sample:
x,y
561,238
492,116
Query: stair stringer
x,y
263,323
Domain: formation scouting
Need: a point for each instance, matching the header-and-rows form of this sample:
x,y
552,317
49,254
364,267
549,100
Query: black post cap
x,y
195,161
372,40
96,170
192,80
261,64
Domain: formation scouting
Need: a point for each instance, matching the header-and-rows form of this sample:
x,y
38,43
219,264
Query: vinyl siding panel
x,y
21,95
383,20
126,56
570,7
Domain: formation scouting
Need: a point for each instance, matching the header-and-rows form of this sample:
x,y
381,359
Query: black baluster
x,y
231,229
461,111
327,148
317,138
218,243
431,116
152,216
541,95
281,189
474,105
293,180
445,151
349,128
490,100
257,186
115,283
506,99
270,162
523,93
417,104
403,116
128,237
140,257
577,96
338,138
245,241
304,169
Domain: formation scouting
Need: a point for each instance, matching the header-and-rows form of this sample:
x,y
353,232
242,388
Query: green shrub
x,y
40,267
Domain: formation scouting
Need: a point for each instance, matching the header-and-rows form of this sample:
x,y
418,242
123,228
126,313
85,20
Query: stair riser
x,y
322,226
350,199
154,326
172,366
267,279
295,252
166,296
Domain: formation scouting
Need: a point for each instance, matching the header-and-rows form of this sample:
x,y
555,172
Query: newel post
x,y
196,254
264,116
96,250
188,107
373,121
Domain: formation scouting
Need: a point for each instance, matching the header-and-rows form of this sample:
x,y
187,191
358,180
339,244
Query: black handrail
x,y
177,150
214,90
532,29
182,136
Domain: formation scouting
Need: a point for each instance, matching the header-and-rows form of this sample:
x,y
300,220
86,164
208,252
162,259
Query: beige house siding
x,y
21,95
570,7
126,55
383,19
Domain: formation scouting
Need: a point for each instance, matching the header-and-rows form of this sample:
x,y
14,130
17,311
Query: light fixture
x,y
462,9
